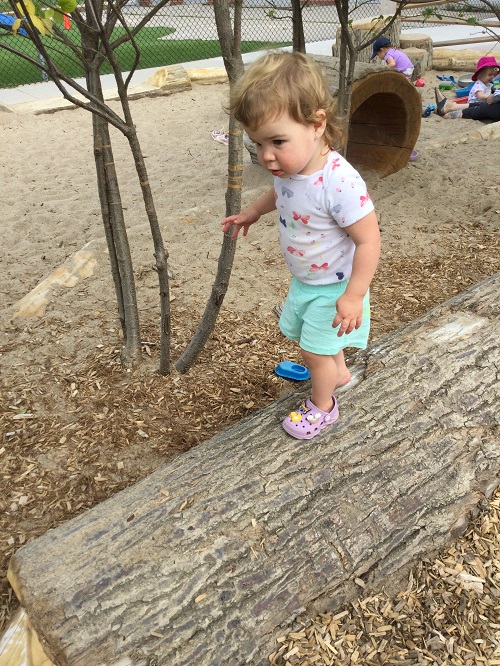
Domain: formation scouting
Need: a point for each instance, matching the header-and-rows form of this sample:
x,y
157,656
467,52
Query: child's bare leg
x,y
343,373
446,108
324,374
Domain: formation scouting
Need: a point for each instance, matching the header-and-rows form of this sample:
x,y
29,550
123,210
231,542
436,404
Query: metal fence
x,y
186,32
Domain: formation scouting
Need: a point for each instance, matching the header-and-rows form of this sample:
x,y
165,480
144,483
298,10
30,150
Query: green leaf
x,y
67,6
48,27
472,20
39,25
30,7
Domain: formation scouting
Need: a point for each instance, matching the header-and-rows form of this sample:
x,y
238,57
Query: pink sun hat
x,y
485,61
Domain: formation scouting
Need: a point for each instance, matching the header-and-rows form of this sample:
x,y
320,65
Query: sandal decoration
x,y
308,421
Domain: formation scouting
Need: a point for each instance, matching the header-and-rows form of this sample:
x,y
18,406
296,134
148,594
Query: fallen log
x,y
469,40
462,60
384,118
205,560
451,21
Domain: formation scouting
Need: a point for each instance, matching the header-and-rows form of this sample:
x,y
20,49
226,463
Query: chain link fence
x,y
186,32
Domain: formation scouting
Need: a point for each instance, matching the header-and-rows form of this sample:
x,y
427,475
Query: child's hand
x,y
349,314
242,220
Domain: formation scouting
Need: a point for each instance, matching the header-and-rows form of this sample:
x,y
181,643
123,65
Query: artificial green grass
x,y
155,52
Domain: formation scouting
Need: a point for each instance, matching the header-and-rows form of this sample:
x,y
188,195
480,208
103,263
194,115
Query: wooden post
x,y
364,29
419,58
204,561
417,41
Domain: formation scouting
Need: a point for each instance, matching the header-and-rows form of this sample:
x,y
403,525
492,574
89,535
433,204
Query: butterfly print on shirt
x,y
294,250
303,218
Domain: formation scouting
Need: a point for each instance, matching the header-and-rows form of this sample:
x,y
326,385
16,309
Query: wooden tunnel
x,y
385,115
386,112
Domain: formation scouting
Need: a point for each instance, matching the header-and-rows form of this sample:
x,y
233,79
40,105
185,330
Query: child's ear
x,y
320,121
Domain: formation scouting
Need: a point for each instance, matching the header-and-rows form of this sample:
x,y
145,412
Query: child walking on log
x,y
328,228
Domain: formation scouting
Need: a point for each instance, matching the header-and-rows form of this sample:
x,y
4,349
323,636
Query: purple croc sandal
x,y
308,420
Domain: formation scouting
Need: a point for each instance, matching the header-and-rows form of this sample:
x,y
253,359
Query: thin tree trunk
x,y
230,40
160,253
112,214
105,214
298,39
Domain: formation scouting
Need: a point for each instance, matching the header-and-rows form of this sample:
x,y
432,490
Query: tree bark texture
x,y
116,234
205,560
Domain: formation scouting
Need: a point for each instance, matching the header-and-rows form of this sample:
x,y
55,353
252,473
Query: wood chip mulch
x,y
448,615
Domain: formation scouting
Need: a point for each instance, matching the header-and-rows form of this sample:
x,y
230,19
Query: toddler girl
x,y
486,70
482,102
328,228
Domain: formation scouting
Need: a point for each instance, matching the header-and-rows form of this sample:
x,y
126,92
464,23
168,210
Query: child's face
x,y
487,74
286,147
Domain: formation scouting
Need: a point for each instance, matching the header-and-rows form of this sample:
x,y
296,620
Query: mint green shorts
x,y
308,314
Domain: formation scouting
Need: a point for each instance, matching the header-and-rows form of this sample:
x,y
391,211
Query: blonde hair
x,y
284,82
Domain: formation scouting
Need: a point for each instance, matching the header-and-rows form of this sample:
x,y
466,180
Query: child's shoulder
x,y
338,167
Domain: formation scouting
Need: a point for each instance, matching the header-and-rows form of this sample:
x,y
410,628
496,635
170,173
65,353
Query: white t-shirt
x,y
313,213
478,86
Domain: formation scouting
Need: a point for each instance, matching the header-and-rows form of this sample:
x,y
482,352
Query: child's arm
x,y
264,204
484,96
390,61
365,234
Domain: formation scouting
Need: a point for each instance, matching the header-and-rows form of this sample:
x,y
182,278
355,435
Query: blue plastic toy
x,y
292,371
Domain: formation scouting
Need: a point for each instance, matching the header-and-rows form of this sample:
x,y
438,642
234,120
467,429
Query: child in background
x,y
393,57
328,228
486,70
482,102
